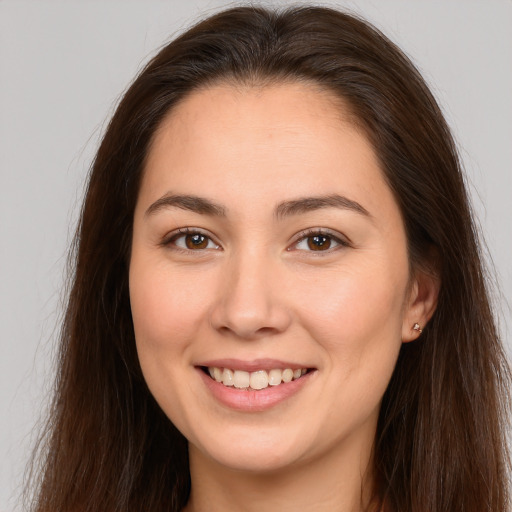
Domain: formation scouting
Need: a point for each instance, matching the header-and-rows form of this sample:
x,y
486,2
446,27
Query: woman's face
x,y
267,246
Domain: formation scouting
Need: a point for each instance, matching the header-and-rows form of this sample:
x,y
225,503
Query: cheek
x,y
356,316
356,319
166,307
350,303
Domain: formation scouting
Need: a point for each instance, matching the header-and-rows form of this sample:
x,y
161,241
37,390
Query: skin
x,y
255,289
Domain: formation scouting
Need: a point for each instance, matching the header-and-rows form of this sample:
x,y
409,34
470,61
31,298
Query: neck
x,y
339,481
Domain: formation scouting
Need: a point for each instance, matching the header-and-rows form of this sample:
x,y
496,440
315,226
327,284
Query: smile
x,y
254,386
256,380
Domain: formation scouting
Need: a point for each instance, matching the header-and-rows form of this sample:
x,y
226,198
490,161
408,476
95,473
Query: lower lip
x,y
252,400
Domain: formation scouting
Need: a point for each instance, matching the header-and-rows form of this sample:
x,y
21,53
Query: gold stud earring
x,y
417,327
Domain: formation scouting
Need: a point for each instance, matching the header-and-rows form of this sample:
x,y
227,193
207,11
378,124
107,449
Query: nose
x,y
250,302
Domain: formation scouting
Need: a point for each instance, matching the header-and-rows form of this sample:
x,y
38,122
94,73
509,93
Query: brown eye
x,y
196,241
319,242
192,241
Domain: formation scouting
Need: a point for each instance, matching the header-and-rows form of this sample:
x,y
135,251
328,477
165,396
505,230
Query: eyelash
x,y
320,232
183,233
301,237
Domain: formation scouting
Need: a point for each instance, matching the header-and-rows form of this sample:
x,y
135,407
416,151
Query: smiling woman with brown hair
x,y
278,298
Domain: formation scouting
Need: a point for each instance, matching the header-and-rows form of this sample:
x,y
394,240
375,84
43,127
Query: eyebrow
x,y
308,204
187,202
299,206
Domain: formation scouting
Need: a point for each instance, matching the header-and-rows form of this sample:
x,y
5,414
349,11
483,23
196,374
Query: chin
x,y
254,452
255,461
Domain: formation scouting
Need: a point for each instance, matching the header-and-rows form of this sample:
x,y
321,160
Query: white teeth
x,y
259,379
241,379
217,374
275,377
228,378
287,375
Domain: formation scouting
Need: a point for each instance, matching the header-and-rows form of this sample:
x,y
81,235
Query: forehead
x,y
288,139
269,108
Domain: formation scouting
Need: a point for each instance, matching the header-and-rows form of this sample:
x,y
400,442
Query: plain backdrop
x,y
63,66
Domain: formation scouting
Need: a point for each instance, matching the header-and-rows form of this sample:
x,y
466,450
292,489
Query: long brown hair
x,y
441,441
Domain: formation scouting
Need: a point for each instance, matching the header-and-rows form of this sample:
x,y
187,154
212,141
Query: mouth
x,y
254,385
257,380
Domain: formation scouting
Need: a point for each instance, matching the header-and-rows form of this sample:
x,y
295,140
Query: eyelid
x,y
180,232
340,239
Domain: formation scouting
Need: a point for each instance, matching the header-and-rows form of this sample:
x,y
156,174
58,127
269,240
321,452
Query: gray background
x,y
63,66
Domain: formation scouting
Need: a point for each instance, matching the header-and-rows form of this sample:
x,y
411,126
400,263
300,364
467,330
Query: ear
x,y
420,304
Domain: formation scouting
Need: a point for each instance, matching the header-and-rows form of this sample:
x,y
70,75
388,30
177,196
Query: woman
x,y
278,297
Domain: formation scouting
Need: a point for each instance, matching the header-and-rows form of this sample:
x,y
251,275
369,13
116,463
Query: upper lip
x,y
253,365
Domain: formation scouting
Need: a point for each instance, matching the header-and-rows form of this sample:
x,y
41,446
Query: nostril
x,y
247,332
250,308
